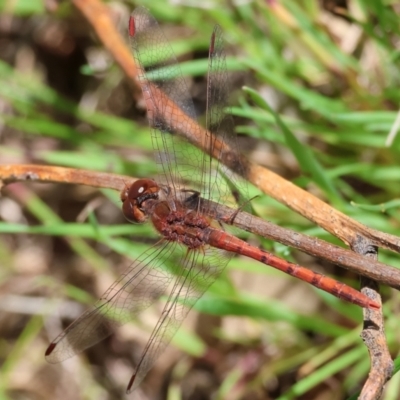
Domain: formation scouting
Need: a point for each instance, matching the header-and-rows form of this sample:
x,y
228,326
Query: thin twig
x,y
373,332
354,262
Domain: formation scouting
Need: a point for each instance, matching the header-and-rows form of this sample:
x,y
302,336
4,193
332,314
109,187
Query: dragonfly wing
x,y
139,287
169,105
170,109
233,190
200,270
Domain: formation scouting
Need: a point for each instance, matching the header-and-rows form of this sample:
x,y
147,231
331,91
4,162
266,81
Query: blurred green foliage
x,y
321,97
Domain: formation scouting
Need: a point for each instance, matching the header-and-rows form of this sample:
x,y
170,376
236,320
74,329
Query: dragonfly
x,y
193,248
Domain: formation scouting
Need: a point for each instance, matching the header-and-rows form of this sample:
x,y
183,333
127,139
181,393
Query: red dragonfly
x,y
193,249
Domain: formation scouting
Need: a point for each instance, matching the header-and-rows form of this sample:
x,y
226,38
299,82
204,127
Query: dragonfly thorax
x,y
180,224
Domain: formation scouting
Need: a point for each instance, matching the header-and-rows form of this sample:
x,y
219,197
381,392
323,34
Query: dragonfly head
x,y
134,199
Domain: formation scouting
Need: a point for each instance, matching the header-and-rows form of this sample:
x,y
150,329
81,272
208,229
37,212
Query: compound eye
x,y
134,197
142,187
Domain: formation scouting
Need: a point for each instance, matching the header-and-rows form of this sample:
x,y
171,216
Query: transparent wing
x,y
199,271
219,123
170,110
140,286
169,105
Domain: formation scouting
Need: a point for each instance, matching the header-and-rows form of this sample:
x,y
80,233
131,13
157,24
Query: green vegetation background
x,y
330,74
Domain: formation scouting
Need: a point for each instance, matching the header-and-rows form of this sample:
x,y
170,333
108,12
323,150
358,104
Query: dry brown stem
x,y
373,333
354,262
348,230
